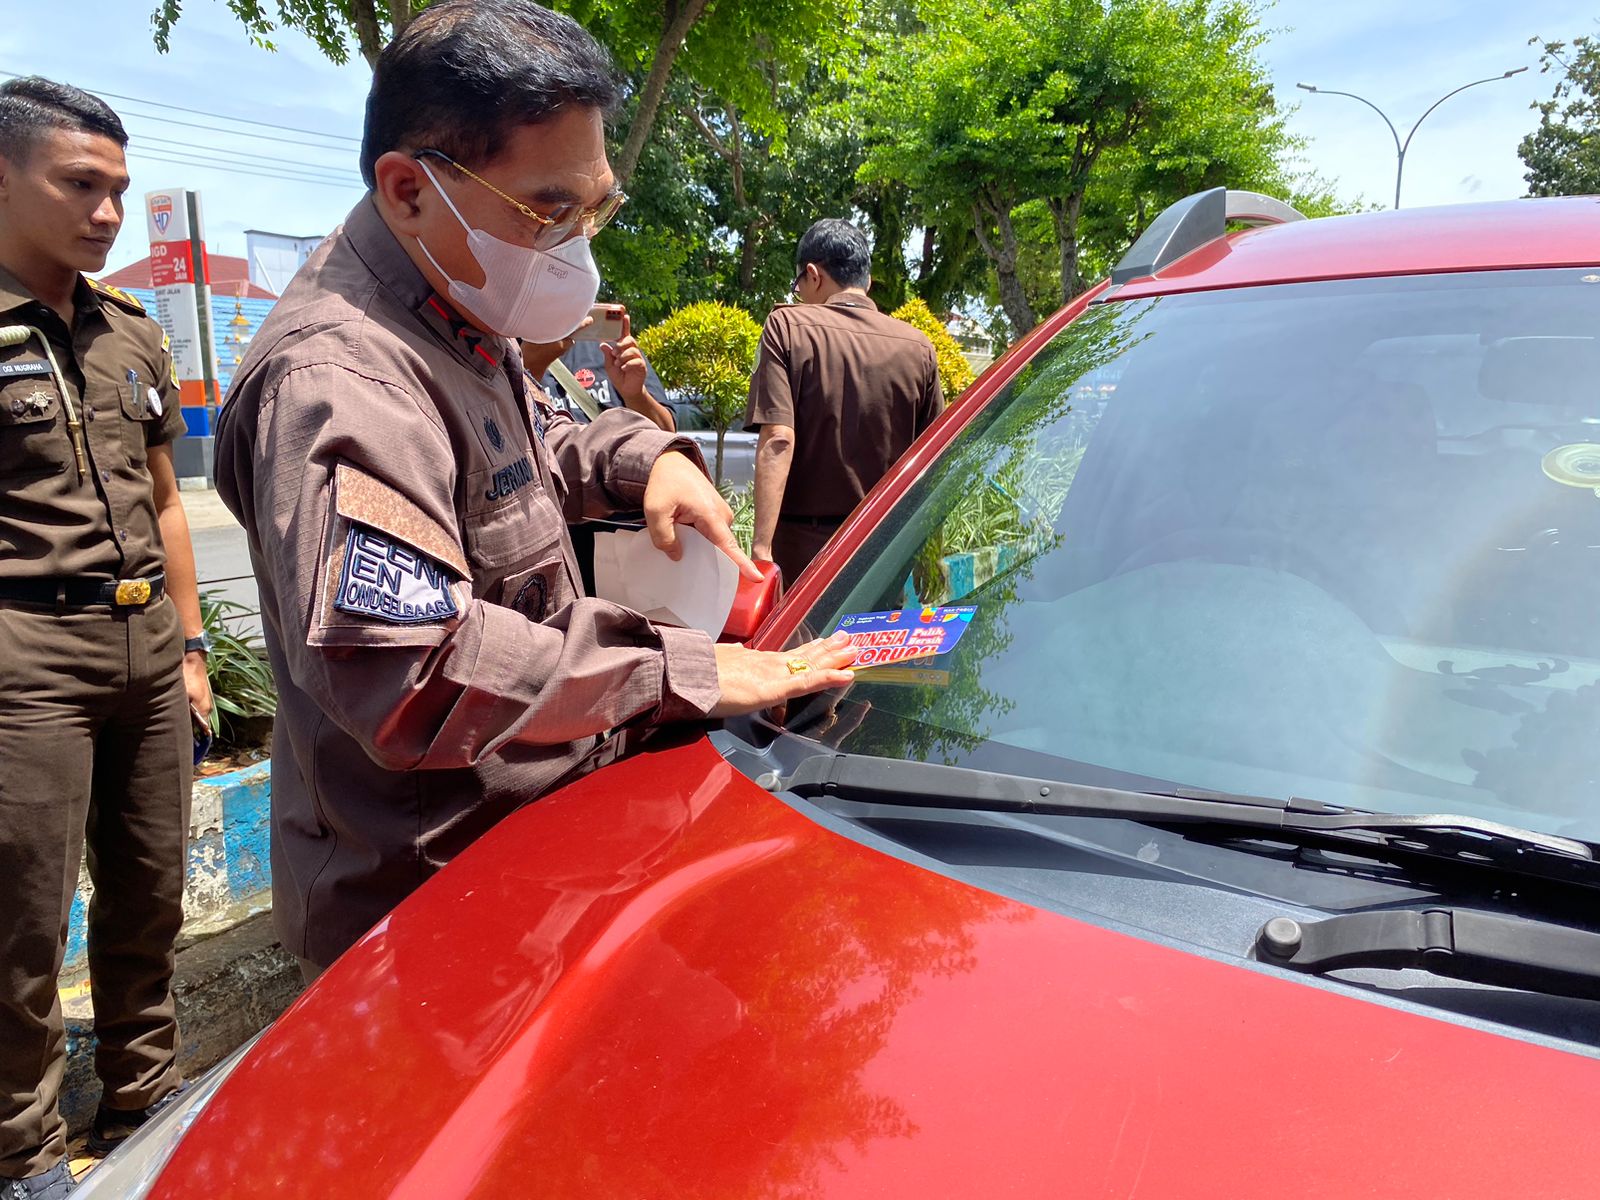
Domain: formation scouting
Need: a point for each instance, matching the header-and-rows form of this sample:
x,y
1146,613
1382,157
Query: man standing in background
x,y
840,392
97,599
616,374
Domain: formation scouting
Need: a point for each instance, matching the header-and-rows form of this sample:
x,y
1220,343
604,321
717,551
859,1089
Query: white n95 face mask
x,y
537,295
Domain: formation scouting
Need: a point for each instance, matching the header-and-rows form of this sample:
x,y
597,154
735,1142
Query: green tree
x,y
743,50
709,351
1562,155
1033,102
331,24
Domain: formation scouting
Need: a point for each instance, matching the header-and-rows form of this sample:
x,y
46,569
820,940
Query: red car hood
x,y
664,982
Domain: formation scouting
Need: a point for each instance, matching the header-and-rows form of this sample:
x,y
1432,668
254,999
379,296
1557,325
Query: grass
x,y
743,502
241,677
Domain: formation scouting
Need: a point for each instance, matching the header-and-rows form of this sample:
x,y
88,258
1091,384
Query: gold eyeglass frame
x,y
591,219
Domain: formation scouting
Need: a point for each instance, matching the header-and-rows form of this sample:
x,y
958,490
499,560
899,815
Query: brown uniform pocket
x,y
138,420
33,433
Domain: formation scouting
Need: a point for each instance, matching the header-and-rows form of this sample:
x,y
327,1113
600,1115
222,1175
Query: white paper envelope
x,y
695,592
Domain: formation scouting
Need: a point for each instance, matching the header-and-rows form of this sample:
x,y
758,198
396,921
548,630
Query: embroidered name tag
x,y
509,480
389,580
11,370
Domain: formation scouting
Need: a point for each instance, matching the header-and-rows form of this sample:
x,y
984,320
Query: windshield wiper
x,y
1467,841
1457,943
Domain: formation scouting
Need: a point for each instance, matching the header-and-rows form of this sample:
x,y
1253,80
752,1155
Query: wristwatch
x,y
201,643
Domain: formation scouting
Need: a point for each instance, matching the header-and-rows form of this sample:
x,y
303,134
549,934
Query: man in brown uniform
x,y
406,496
95,683
840,392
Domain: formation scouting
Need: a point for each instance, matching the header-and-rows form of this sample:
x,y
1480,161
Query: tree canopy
x,y
1002,153
1562,155
1089,115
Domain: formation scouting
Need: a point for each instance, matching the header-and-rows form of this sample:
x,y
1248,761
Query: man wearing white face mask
x,y
406,496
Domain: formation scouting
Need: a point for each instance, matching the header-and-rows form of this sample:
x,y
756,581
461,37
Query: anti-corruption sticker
x,y
891,637
388,580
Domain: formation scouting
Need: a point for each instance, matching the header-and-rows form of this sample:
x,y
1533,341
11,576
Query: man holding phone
x,y
604,360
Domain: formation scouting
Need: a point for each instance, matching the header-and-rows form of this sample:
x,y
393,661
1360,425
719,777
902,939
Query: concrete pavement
x,y
221,555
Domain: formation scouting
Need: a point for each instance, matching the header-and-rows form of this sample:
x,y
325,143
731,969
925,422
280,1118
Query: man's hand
x,y
197,685
752,680
678,493
762,552
625,366
537,356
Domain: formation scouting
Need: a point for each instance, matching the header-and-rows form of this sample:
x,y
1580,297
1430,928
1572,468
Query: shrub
x,y
743,502
707,350
241,677
955,373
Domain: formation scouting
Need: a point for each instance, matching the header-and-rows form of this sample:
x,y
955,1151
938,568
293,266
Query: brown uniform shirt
x,y
406,505
856,385
52,523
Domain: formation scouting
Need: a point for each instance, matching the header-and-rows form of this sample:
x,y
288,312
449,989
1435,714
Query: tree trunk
x,y
925,266
1065,213
716,475
749,244
369,33
891,281
1003,256
731,152
655,85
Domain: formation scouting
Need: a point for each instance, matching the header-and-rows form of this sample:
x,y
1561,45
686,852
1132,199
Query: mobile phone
x,y
607,326
202,734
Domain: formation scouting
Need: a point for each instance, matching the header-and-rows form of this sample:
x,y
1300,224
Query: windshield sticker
x,y
891,637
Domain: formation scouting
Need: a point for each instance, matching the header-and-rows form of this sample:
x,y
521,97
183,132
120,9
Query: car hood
x,y
664,982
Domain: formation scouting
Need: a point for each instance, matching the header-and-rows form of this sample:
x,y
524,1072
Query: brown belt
x,y
83,593
814,522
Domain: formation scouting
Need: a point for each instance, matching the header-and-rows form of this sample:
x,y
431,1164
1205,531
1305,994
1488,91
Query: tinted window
x,y
1338,540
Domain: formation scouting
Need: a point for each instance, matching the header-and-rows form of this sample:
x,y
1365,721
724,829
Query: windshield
x,y
1337,540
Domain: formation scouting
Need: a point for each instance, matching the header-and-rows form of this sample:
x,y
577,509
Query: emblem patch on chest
x,y
388,580
492,432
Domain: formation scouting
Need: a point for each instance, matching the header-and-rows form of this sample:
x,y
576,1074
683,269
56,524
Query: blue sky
x,y
1401,54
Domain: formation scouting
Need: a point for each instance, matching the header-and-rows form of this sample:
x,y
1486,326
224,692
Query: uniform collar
x,y
376,245
851,300
13,295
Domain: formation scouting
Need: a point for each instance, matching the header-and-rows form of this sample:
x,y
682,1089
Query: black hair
x,y
463,74
32,105
840,249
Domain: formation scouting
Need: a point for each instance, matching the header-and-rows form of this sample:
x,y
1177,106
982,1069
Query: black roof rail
x,y
1194,221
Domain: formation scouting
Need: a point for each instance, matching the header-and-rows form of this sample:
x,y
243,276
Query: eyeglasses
x,y
562,222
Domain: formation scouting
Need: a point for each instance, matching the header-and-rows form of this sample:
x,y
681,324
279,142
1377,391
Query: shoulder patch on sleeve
x,y
117,294
386,579
360,498
172,362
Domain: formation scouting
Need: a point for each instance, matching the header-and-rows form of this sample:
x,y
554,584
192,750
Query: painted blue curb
x,y
228,863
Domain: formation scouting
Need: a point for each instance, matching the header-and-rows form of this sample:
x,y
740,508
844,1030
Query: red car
x,y
1239,840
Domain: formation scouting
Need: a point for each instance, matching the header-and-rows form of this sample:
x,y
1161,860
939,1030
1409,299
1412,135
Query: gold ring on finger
x,y
798,666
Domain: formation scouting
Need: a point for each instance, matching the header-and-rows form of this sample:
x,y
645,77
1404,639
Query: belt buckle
x,y
133,592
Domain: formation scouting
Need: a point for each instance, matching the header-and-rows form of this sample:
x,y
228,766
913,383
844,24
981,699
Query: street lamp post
x,y
1400,147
